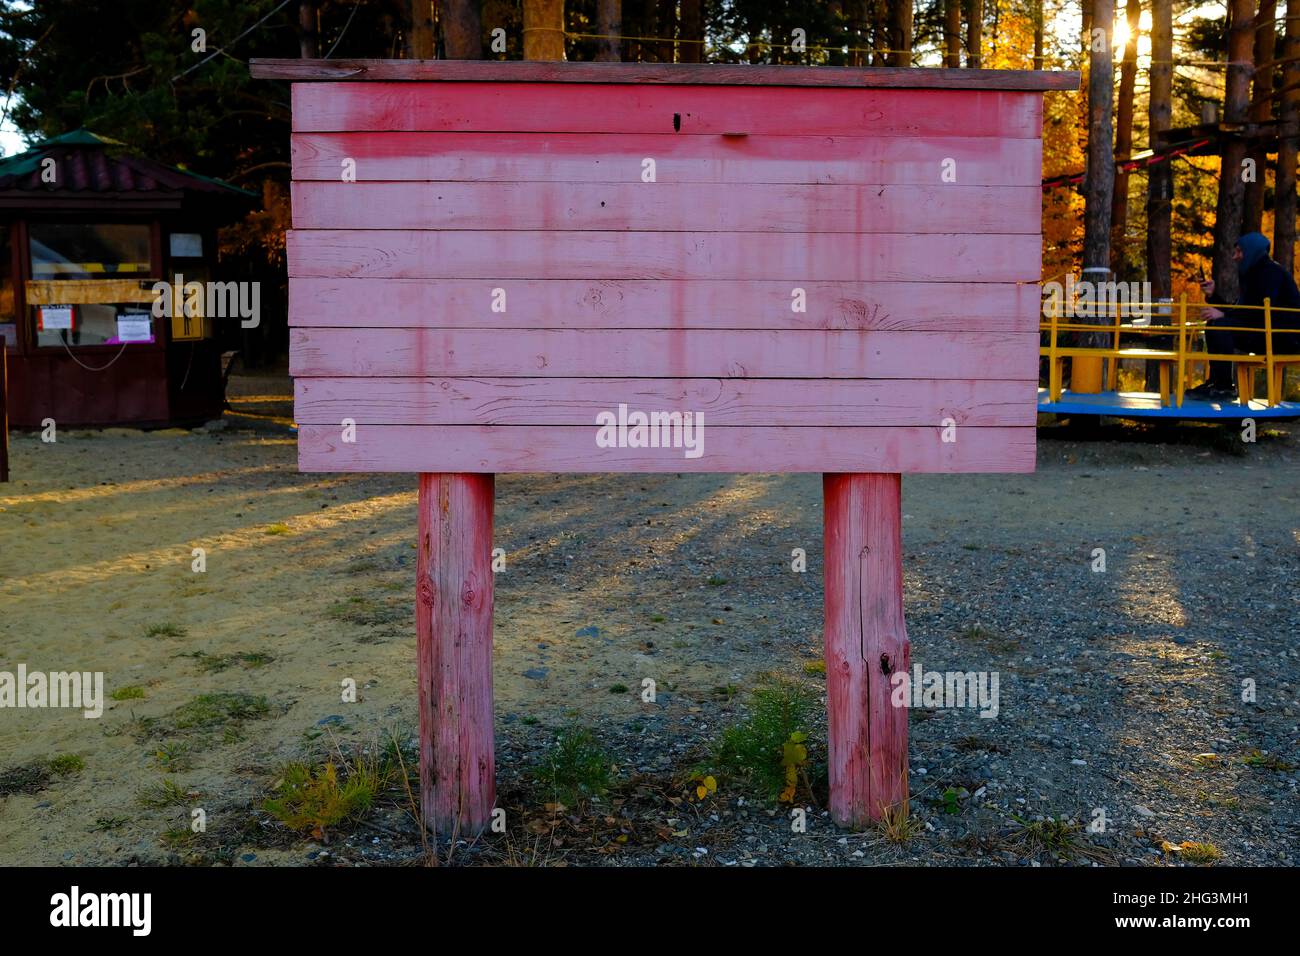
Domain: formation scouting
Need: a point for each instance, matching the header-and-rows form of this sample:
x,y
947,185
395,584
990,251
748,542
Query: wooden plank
x,y
453,628
487,71
599,158
687,110
516,449
667,207
89,291
577,401
865,643
662,353
648,304
394,254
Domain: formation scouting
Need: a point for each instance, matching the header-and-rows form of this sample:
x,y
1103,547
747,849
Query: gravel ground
x,y
1121,691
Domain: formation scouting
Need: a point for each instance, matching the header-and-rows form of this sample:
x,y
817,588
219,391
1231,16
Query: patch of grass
x,y
173,756
164,629
727,691
529,720
715,581
575,769
897,825
210,711
215,663
104,824
657,618
1200,854
363,610
754,749
132,692
277,528
163,795
316,799
618,689
1257,758
64,764
813,668
1056,836
26,778
178,838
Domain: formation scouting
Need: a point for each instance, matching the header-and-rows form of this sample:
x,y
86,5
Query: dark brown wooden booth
x,y
86,231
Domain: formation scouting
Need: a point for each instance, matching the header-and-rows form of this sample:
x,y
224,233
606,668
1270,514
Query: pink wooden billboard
x,y
523,267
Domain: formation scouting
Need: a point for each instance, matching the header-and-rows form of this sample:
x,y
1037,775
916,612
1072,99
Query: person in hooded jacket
x,y
1260,278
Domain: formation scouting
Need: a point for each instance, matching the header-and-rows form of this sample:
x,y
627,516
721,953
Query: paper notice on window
x,y
54,317
134,328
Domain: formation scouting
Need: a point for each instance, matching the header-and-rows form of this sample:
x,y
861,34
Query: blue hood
x,y
1254,247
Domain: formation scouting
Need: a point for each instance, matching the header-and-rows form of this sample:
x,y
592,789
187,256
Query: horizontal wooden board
x,y
603,158
487,71
661,255
686,110
657,353
668,207
722,401
662,304
512,449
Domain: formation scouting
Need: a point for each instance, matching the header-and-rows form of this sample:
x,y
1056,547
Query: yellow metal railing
x,y
1185,333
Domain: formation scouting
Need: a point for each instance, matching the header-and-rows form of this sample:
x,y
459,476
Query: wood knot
x,y
425,592
886,665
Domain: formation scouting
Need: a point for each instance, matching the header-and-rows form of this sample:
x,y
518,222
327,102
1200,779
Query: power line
x,y
220,50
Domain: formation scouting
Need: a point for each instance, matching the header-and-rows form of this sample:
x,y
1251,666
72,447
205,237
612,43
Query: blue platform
x,y
1147,405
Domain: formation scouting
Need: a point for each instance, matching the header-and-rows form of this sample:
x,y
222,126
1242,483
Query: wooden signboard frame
x,y
822,270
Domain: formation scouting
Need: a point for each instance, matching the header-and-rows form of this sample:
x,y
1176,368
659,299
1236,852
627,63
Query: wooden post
x,y
4,413
453,622
866,642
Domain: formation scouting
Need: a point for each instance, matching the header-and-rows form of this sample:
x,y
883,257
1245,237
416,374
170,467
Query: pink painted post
x,y
453,623
866,642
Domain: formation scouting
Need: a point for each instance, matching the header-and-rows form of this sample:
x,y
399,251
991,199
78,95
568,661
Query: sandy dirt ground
x,y
1113,683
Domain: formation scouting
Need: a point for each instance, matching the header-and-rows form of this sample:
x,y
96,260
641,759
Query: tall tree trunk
x,y
666,27
1124,136
1236,102
609,24
462,30
858,13
1261,111
308,31
900,32
975,32
880,32
1284,222
1038,34
1100,182
543,29
1160,177
691,49
952,33
420,44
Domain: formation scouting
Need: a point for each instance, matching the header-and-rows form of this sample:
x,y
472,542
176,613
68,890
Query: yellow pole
x,y
1270,387
1181,384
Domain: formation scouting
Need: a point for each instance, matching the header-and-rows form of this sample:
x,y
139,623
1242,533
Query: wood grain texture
x,y
399,254
515,449
577,401
660,353
687,111
668,207
865,643
453,625
662,304
490,71
602,158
